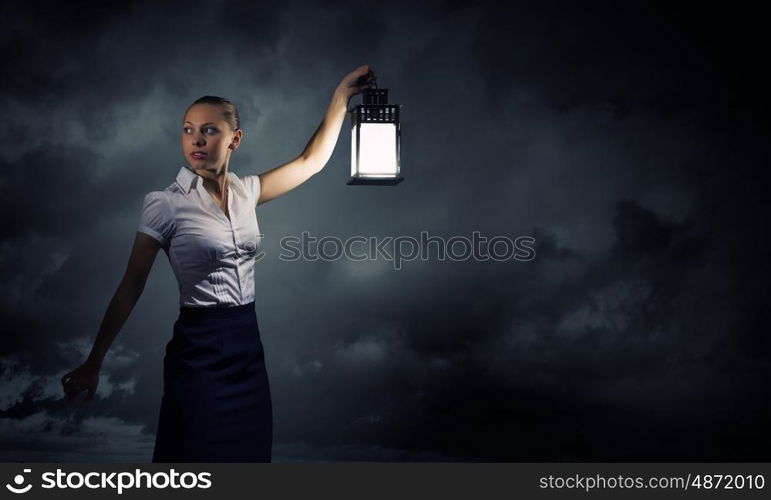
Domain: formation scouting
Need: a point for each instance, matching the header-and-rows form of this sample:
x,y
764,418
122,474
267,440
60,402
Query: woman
x,y
216,404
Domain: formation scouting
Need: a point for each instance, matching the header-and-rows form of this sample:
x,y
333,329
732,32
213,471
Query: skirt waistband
x,y
197,313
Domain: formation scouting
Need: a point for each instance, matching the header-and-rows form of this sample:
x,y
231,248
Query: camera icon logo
x,y
19,481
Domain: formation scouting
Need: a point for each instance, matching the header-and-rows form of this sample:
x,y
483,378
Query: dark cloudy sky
x,y
630,141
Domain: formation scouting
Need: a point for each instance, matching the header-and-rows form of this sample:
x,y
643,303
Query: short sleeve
x,y
252,183
157,219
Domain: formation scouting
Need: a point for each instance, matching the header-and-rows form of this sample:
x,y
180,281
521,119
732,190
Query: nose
x,y
198,139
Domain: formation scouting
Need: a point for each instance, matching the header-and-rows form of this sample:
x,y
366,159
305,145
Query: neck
x,y
214,182
218,185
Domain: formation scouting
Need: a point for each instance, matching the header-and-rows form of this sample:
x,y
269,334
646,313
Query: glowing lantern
x,y
375,140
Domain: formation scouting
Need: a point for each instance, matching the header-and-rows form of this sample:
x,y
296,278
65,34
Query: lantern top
x,y
375,96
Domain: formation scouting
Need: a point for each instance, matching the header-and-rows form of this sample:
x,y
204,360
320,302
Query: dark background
x,y
628,139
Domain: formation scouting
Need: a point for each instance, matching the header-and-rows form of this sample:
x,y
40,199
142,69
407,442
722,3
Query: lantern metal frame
x,y
375,109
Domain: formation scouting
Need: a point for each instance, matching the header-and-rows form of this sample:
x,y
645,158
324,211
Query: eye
x,y
185,129
214,130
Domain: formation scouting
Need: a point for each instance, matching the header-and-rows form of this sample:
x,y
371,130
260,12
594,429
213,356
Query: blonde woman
x,y
216,404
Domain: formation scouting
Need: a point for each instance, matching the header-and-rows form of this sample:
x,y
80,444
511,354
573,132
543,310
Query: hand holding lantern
x,y
357,80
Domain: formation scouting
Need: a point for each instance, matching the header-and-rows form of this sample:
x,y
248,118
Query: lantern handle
x,y
353,108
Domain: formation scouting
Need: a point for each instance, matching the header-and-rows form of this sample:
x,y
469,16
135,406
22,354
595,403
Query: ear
x,y
236,140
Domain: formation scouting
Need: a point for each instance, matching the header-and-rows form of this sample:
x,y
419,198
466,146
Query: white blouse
x,y
212,257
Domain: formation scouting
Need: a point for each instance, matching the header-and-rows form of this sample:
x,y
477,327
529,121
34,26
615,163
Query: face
x,y
205,130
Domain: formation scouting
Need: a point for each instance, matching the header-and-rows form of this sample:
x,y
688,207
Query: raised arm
x,y
317,152
86,376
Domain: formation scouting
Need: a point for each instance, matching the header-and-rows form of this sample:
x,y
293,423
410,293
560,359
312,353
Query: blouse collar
x,y
186,178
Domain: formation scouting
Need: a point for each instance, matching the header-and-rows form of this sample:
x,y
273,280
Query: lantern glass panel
x,y
377,151
354,151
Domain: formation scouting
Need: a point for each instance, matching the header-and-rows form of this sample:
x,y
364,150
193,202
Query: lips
x,y
198,155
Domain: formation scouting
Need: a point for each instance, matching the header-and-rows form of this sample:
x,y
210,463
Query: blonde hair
x,y
228,109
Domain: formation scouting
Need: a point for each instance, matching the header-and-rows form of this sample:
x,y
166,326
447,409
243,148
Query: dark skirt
x,y
216,404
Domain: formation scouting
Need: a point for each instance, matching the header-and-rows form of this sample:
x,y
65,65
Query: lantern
x,y
375,140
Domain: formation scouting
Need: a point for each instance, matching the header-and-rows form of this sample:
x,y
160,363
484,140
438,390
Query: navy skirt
x,y
216,404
